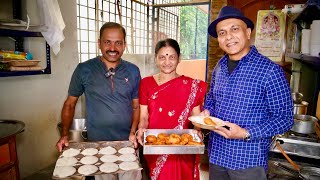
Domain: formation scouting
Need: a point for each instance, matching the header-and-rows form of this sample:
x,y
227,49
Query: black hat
x,y
228,12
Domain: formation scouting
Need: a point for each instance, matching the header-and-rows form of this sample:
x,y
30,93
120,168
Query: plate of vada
x,y
172,141
207,122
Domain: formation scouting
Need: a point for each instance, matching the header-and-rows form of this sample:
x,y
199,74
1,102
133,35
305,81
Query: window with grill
x,y
145,25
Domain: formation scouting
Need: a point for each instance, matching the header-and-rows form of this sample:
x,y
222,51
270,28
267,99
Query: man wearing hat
x,y
251,94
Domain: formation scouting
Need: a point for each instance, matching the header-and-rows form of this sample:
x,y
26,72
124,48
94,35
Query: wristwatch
x,y
247,136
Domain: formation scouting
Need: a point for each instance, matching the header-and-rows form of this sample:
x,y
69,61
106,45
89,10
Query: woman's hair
x,y
112,25
168,42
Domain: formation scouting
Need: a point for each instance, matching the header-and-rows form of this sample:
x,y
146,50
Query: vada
x,y
151,138
162,136
174,139
209,121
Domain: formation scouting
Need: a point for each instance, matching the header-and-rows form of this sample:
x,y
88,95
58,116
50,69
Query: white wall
x,y
37,100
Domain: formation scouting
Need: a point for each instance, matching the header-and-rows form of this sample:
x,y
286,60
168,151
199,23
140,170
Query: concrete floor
x,y
44,174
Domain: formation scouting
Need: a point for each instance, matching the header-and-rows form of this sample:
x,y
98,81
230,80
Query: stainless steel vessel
x,y
300,108
304,124
297,97
77,132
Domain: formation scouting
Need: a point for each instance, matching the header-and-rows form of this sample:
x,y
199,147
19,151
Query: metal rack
x,y
19,36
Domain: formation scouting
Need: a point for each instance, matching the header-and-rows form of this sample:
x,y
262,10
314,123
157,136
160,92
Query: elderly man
x,y
251,94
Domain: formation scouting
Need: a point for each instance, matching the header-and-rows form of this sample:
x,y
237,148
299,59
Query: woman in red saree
x,y
166,101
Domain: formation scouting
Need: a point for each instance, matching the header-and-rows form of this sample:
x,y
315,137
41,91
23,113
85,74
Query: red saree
x,y
169,106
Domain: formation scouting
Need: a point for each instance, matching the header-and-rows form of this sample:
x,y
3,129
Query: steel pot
x,y
304,124
300,108
77,132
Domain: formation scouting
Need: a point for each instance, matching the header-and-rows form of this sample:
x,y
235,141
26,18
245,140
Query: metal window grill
x,y
144,25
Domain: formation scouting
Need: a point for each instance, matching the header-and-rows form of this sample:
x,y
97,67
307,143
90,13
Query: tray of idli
x,y
95,158
172,141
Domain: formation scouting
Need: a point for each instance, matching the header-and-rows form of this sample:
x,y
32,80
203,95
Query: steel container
x,y
300,108
77,132
297,97
304,124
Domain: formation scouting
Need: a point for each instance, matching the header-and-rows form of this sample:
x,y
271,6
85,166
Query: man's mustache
x,y
112,52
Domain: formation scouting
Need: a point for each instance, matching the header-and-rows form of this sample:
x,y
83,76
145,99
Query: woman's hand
x,y
199,133
205,113
133,139
139,134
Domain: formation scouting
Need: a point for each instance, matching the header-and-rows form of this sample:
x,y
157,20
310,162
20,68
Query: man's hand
x,y
63,141
235,131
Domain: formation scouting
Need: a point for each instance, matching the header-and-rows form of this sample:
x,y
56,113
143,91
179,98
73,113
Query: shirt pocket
x,y
124,87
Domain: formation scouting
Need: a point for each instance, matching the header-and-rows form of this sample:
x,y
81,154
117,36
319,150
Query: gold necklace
x,y
159,80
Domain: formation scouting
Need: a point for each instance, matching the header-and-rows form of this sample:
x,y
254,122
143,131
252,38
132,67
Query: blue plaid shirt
x,y
255,96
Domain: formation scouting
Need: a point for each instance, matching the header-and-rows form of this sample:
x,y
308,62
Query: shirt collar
x,y
249,57
117,67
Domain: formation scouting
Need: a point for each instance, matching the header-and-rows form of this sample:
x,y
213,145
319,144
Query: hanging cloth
x,y
52,18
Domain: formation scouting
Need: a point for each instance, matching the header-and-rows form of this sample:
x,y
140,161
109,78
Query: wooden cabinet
x,y
9,165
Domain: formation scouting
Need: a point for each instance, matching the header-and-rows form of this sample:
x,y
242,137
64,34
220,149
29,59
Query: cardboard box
x,y
318,107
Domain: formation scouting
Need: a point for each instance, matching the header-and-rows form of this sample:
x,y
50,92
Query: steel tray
x,y
173,149
298,148
98,145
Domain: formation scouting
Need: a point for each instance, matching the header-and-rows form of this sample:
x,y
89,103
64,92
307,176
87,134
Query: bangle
x,y
136,132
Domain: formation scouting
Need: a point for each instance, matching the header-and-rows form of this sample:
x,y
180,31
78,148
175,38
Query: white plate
x,y
199,122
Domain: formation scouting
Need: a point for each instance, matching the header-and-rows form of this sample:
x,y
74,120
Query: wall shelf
x,y
312,61
19,43
19,33
19,36
305,18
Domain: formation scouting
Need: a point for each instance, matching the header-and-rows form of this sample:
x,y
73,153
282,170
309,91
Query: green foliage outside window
x,y
193,32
